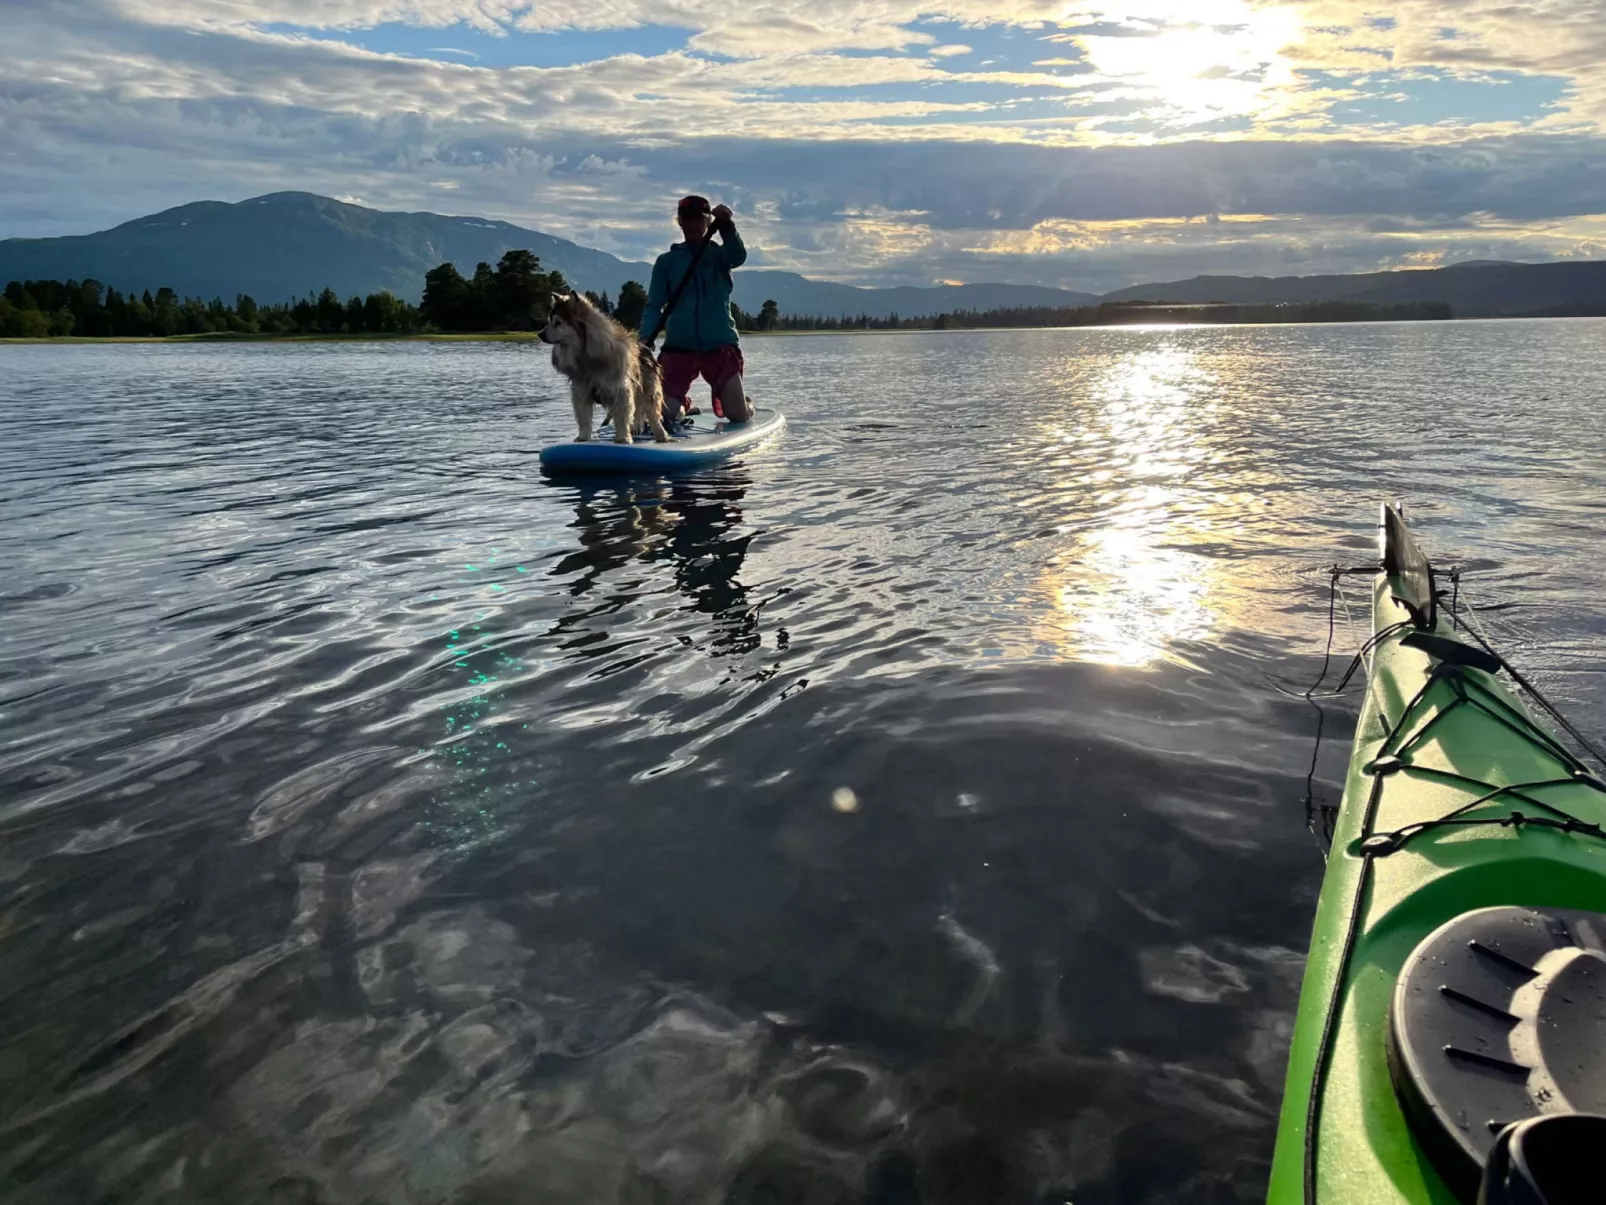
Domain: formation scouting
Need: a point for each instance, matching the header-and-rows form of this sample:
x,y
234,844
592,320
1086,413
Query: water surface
x,y
908,813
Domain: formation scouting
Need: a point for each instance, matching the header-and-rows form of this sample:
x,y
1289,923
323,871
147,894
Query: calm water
x,y
909,814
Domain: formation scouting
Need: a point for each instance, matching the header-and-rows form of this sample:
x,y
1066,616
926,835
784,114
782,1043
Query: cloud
x,y
865,141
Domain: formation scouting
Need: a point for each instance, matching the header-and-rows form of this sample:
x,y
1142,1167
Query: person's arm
x,y
657,293
732,249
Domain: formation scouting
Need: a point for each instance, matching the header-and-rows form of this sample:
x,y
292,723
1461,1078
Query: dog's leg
x,y
581,397
623,419
654,406
651,397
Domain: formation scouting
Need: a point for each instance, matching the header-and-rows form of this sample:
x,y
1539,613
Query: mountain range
x,y
289,244
1476,289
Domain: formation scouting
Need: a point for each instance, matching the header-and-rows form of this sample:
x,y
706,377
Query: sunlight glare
x,y
1127,591
1201,61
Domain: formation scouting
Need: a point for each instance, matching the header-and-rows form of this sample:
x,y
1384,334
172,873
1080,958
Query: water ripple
x,y
904,814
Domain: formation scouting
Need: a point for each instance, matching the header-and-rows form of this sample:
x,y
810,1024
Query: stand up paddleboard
x,y
692,447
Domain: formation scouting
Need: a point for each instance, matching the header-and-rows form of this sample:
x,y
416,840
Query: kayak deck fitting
x,y
1456,981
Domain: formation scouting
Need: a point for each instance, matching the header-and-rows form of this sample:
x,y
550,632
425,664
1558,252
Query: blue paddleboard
x,y
691,447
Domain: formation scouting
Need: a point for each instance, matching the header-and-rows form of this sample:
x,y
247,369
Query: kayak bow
x,y
1456,982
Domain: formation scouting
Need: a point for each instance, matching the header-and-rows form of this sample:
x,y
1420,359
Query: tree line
x,y
515,296
40,309
627,311
1123,314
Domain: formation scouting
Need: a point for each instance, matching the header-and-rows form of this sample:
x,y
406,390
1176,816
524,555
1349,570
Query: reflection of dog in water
x,y
606,367
694,526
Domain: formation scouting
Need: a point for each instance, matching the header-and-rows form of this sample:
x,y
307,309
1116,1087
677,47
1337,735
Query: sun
x,y
1196,62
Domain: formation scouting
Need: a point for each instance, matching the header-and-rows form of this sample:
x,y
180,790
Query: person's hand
x,y
722,213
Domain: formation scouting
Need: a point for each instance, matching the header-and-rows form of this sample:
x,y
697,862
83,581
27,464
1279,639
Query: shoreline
x,y
534,336
230,337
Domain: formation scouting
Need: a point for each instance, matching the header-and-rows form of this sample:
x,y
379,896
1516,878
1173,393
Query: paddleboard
x,y
707,441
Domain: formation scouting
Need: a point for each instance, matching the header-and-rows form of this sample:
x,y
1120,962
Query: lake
x,y
910,812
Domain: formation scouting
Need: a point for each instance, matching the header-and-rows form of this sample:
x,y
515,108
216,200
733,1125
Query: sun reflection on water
x,y
1125,591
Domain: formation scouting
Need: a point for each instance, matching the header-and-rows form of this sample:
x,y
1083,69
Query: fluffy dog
x,y
606,367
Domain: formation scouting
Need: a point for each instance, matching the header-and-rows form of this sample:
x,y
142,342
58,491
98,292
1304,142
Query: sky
x,y
1083,145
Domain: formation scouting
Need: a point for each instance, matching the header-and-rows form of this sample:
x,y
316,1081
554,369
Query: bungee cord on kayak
x,y
1491,662
1393,760
1328,811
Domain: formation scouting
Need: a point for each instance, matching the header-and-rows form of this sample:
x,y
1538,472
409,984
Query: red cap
x,y
694,204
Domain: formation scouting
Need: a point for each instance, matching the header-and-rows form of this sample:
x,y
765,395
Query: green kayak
x,y
1450,1044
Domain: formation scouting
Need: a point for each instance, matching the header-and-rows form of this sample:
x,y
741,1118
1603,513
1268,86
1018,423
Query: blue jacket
x,y
701,318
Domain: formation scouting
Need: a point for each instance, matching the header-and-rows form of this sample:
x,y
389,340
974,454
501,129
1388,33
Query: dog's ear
x,y
559,300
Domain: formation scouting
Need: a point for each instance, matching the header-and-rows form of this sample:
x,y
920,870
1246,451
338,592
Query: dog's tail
x,y
651,370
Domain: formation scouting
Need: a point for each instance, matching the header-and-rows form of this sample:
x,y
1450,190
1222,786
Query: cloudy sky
x,y
1086,145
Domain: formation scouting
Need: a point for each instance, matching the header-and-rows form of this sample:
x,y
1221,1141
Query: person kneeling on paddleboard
x,y
692,282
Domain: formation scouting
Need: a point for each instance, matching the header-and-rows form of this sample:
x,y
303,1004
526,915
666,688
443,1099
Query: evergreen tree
x,y
330,313
632,303
165,318
445,298
521,289
483,308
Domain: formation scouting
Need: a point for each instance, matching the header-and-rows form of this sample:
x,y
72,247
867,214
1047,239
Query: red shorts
x,y
716,366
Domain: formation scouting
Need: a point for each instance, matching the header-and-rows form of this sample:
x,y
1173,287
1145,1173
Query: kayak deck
x,y
1424,834
690,448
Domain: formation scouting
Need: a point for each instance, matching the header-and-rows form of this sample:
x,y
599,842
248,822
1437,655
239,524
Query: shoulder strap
x,y
680,289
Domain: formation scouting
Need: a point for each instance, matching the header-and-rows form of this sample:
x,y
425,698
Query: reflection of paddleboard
x,y
691,448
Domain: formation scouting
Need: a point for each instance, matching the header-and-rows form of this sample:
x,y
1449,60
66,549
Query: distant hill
x,y
1475,289
796,294
288,244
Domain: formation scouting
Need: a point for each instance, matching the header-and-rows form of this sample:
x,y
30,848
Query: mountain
x,y
1476,289
795,294
289,244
